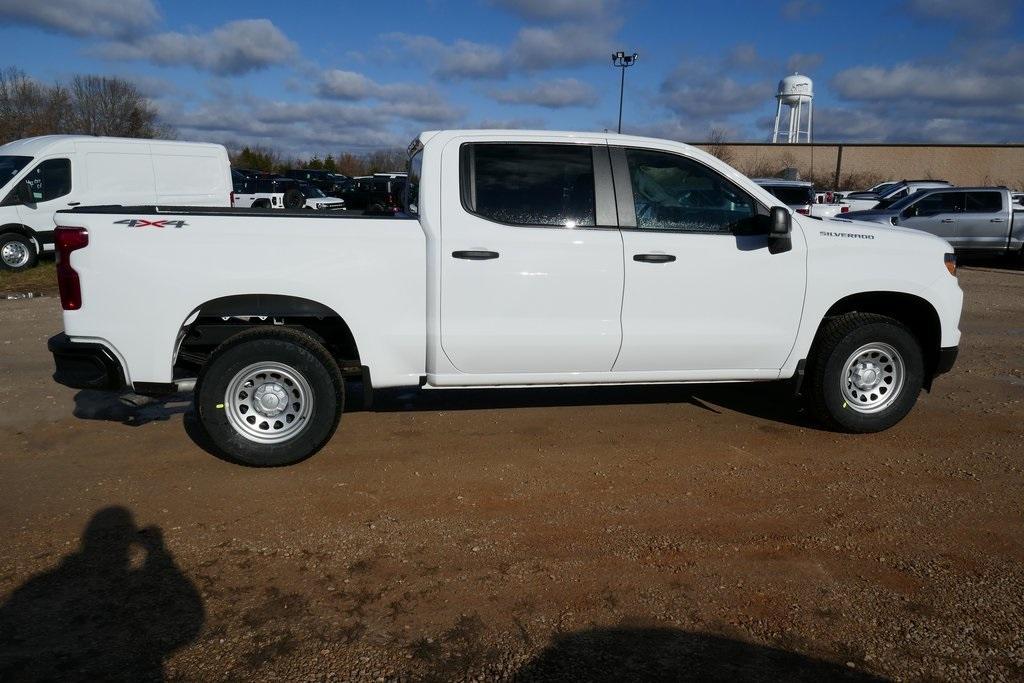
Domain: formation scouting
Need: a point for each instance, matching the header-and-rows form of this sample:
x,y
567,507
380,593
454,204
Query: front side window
x,y
50,179
412,188
938,202
529,184
983,202
671,192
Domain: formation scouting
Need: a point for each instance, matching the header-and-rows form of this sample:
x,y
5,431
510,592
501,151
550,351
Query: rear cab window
x,y
983,202
529,184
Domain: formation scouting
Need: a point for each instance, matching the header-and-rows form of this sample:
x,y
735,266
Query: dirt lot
x,y
706,532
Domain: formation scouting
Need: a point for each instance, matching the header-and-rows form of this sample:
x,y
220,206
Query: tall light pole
x,y
621,60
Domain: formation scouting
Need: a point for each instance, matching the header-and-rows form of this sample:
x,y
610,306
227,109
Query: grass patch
x,y
41,279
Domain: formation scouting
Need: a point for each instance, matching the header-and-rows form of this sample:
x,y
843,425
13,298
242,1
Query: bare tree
x,y
27,107
91,105
110,106
718,146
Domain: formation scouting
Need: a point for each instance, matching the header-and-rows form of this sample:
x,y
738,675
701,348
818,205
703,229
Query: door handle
x,y
475,255
947,220
995,220
654,258
74,203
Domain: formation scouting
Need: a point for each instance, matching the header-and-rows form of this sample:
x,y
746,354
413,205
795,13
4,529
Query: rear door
x,y
937,213
984,221
703,293
531,258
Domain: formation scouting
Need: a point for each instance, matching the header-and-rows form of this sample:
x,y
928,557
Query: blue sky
x,y
355,76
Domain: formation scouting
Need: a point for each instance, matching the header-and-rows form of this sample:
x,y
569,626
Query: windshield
x,y
901,204
412,186
883,188
312,191
10,166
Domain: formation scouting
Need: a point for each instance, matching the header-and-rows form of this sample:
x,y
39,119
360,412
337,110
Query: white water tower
x,y
797,93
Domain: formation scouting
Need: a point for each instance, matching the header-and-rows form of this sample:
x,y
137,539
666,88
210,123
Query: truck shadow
x,y
128,408
114,609
664,654
998,264
766,400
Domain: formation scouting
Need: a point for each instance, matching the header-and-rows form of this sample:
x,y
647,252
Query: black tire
x,y
290,351
827,371
13,245
294,199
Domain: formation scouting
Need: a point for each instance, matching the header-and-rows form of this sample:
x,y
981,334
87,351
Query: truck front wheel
x,y
270,397
17,252
864,374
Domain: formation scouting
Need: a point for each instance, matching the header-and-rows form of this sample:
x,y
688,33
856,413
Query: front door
x,y
50,183
937,213
531,261
703,293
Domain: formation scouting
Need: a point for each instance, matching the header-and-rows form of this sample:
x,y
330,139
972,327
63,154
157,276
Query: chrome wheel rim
x,y
268,402
872,378
14,254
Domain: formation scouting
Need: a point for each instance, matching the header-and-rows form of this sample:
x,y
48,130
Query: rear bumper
x,y
85,365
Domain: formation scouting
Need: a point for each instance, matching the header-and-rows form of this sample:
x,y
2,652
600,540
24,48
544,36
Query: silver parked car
x,y
975,219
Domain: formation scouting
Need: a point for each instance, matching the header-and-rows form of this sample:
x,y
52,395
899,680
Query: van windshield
x,y
10,166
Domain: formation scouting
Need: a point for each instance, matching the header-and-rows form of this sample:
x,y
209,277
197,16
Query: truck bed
x,y
148,269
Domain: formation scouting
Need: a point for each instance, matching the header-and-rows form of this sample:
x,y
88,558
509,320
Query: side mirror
x,y
20,195
779,230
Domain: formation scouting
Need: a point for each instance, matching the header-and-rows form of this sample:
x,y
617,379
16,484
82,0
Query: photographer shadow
x,y
101,614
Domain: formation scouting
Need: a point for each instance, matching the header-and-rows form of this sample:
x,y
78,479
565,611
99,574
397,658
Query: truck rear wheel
x,y
864,374
270,397
17,252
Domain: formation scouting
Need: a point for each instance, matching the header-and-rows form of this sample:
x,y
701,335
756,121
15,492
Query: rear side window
x,y
50,179
983,202
529,184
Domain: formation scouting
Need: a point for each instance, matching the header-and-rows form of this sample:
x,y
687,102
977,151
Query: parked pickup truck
x,y
972,219
527,258
888,194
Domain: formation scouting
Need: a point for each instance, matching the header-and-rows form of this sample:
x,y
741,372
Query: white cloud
x,y
460,60
554,94
548,10
804,62
353,86
563,45
109,18
235,48
992,14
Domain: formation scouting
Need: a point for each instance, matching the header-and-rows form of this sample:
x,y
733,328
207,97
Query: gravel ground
x,y
663,533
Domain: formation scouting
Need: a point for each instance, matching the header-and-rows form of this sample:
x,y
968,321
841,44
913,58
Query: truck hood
x,y
862,230
870,215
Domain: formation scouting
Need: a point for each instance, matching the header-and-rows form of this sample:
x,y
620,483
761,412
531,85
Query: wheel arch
x,y
21,229
216,320
916,312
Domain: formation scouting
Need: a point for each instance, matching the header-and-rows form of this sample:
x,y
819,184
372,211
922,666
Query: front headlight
x,y
950,261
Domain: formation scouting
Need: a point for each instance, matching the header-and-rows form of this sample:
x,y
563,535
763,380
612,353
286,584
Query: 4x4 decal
x,y
146,223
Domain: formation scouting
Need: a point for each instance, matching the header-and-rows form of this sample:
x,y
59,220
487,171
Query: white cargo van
x,y
39,176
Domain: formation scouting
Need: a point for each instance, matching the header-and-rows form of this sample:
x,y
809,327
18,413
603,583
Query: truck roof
x,y
526,133
783,182
59,143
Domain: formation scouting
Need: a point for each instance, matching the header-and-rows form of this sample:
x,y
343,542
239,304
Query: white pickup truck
x,y
527,258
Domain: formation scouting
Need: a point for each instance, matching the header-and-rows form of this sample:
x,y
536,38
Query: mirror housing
x,y
779,229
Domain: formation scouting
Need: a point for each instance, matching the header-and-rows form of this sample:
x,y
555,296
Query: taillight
x,y
844,209
804,212
67,241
